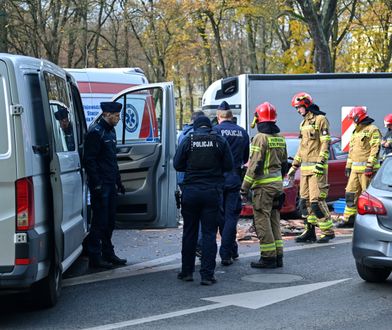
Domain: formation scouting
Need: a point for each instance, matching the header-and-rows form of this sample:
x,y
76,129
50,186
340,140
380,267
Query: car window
x,y
383,178
337,150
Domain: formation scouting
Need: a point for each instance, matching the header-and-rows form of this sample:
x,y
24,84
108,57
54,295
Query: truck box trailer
x,y
331,92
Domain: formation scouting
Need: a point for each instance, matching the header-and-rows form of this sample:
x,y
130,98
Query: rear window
x,y
383,178
4,122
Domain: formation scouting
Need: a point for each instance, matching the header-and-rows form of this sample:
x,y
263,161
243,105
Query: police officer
x,y
312,156
362,161
267,165
104,182
62,115
386,141
204,156
238,140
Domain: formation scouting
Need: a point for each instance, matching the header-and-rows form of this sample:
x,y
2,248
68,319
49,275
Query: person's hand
x,y
319,169
368,171
244,196
291,172
120,188
347,172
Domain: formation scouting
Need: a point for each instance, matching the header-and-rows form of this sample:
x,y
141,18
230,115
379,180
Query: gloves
x,y
368,171
347,172
244,196
120,188
318,169
291,172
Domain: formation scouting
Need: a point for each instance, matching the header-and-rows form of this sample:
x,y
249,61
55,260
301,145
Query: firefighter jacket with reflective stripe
x,y
314,145
267,153
365,146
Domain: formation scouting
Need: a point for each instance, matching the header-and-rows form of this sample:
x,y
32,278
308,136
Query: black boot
x,y
279,260
308,236
326,238
264,262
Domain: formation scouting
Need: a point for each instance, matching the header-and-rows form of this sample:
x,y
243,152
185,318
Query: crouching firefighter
x,y
312,156
362,161
267,165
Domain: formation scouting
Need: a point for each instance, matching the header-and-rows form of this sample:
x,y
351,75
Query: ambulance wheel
x,y
47,291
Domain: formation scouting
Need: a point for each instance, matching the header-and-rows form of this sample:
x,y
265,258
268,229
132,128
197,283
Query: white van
x,y
42,183
100,85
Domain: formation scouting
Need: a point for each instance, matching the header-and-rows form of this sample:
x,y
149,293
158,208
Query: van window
x,y
4,122
62,114
39,134
141,116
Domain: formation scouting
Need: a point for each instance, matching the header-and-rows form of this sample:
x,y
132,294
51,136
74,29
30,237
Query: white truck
x,y
331,92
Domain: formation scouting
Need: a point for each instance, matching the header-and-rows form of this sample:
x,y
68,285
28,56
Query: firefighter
x,y
386,141
267,165
312,156
362,161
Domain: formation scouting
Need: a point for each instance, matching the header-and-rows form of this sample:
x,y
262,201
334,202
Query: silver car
x,y
372,238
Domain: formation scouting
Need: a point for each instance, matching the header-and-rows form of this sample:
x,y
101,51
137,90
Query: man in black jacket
x,y
104,182
204,156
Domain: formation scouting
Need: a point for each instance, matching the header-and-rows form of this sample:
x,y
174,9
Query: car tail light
x,y
368,204
24,204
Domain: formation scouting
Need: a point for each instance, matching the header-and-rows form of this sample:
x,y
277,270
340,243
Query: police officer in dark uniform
x,y
62,115
238,140
104,182
204,156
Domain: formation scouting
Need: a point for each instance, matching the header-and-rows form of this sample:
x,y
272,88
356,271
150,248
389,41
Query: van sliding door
x,y
146,139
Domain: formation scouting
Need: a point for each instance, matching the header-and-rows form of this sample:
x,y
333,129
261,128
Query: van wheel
x,y
47,291
372,274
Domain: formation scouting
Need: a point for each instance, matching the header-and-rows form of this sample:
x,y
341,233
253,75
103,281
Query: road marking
x,y
152,266
157,317
262,298
251,300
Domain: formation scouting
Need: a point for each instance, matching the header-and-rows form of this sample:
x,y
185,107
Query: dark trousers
x,y
102,224
200,205
231,209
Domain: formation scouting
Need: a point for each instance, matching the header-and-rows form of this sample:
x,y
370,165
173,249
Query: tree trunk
x,y
3,28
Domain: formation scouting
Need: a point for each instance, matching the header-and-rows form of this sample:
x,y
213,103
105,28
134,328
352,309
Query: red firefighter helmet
x,y
301,100
388,120
357,114
264,112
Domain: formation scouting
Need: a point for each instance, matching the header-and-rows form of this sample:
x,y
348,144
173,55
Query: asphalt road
x,y
318,288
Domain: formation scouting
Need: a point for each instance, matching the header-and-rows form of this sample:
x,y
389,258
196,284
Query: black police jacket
x,y
100,159
238,140
204,156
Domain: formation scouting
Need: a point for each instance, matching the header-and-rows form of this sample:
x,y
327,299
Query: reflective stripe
x,y
279,243
325,155
325,225
324,138
359,163
267,180
298,158
267,247
266,162
308,127
310,167
255,148
323,195
248,179
350,210
312,219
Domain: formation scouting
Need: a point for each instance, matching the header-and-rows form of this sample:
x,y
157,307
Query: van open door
x,y
69,225
146,142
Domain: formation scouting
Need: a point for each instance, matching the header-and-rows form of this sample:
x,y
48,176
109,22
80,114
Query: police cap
x,y
62,113
224,106
202,121
111,106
